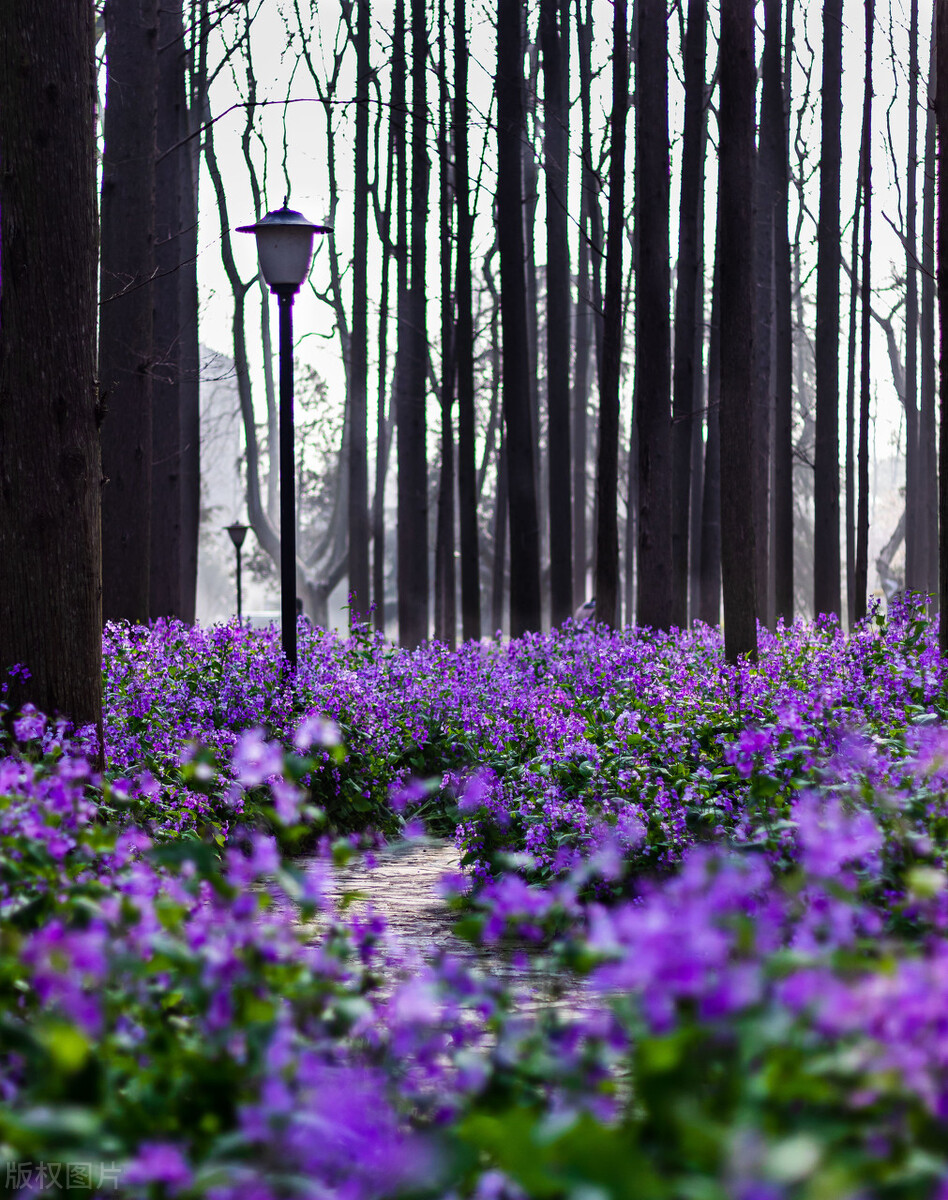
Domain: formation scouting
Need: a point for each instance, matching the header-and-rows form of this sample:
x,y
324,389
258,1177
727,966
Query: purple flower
x,y
158,1162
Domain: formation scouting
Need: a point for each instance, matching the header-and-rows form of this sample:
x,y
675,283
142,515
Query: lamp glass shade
x,y
284,246
237,533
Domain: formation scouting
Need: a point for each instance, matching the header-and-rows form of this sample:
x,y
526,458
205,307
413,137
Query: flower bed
x,y
747,865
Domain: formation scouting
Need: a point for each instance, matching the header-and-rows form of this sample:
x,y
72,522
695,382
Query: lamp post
x,y
237,534
285,247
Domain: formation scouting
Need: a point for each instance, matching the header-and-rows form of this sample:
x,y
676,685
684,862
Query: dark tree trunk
x,y
445,575
860,574
588,318
126,350
709,608
524,526
530,176
686,293
782,511
913,524
464,345
189,384
826,573
167,501
850,466
941,116
382,425
554,37
412,455
927,457
767,155
736,154
607,474
358,380
499,576
50,580
652,325
582,348
709,603
699,400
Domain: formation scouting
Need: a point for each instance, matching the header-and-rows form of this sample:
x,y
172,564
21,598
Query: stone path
x,y
403,887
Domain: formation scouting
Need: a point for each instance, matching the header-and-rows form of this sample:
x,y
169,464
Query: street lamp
x,y
237,534
285,248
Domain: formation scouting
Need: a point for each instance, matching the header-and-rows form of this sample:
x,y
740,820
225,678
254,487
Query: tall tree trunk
x,y
652,324
699,396
445,576
860,574
412,452
126,350
826,573
782,511
501,518
736,154
554,36
709,608
359,594
913,524
524,526
382,438
189,350
766,166
686,292
941,117
464,345
850,467
581,354
607,474
531,199
927,458
588,319
166,574
50,475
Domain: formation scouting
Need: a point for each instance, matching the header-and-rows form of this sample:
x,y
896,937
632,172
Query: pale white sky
x,y
296,134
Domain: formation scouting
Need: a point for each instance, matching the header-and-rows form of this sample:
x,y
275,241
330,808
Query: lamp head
x,y
237,534
285,247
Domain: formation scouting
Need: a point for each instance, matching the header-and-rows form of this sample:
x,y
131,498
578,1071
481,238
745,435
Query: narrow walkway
x,y
403,887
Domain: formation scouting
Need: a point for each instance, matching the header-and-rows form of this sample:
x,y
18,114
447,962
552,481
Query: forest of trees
x,y
508,270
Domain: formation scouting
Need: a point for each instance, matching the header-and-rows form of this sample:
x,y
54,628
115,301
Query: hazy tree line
x,y
501,417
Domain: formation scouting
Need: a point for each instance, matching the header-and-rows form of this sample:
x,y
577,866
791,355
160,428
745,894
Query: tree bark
x,y
412,452
166,564
382,438
927,457
50,550
554,37
359,593
189,351
736,153
709,605
522,498
686,293
826,566
652,325
913,521
586,315
850,454
607,474
126,349
941,118
464,345
445,575
782,512
860,573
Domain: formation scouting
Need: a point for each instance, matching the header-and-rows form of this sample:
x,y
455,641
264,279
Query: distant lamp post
x,y
237,534
285,247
